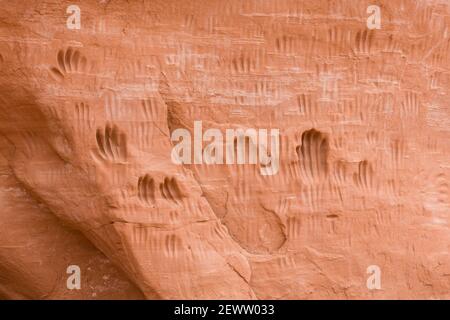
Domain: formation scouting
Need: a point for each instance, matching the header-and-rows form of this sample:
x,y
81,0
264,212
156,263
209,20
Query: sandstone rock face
x,y
88,114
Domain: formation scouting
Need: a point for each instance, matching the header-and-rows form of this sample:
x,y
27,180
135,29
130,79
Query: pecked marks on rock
x,y
146,190
84,117
245,62
69,61
410,105
364,177
293,228
170,190
397,153
312,197
111,143
363,41
340,172
150,189
313,155
286,44
173,245
307,105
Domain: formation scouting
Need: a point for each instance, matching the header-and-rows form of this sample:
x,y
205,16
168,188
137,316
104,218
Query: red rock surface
x,y
86,175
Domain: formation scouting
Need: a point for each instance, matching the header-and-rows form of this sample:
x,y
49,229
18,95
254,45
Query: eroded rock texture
x,y
87,179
